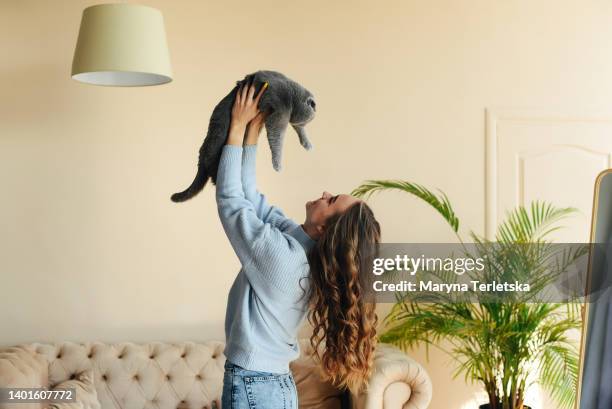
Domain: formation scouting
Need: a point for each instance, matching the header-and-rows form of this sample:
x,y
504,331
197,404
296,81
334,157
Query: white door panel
x,y
535,156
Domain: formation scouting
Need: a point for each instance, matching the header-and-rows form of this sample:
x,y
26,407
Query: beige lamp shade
x,y
122,44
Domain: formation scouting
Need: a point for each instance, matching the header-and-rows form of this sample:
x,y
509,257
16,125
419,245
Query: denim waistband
x,y
230,365
238,370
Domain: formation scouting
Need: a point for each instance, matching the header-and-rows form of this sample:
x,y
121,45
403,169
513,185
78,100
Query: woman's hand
x,y
254,129
243,111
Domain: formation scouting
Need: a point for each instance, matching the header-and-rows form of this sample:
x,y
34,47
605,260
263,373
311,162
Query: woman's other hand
x,y
245,104
243,111
254,129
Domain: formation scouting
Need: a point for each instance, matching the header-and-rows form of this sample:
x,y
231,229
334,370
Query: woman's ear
x,y
320,228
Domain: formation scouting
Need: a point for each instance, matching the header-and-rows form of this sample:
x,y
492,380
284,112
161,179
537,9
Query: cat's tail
x,y
196,186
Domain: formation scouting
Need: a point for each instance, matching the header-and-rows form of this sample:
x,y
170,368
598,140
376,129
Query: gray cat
x,y
285,102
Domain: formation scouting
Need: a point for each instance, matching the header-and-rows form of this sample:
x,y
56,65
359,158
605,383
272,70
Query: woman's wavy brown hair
x,y
342,309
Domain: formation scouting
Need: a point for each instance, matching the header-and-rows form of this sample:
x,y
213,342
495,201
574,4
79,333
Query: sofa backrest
x,y
152,375
182,375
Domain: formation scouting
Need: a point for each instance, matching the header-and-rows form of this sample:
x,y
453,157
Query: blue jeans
x,y
246,389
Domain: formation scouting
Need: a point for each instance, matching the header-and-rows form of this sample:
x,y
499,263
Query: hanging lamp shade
x,y
122,44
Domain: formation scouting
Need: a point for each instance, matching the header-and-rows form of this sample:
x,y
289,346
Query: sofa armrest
x,y
397,382
21,367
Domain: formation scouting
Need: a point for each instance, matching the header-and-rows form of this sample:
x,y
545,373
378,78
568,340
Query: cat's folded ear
x,y
248,79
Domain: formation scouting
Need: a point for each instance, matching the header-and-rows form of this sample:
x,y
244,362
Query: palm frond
x,y
533,224
559,372
439,202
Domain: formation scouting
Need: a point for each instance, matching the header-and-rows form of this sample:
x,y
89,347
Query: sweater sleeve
x,y
267,213
262,249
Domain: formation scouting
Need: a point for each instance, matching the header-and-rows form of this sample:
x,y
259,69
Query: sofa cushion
x,y
314,392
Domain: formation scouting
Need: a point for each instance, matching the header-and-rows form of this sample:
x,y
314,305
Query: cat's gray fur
x,y
285,102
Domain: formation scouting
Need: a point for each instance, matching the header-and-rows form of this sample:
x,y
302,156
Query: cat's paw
x,y
306,144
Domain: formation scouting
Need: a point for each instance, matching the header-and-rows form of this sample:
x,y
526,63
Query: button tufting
x,y
136,376
199,376
104,377
168,377
183,355
73,376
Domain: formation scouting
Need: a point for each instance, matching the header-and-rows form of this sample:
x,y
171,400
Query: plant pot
x,y
488,406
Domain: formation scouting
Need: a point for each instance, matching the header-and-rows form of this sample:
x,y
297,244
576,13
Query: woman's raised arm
x,y
267,213
257,244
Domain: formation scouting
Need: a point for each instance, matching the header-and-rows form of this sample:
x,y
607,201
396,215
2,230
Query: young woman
x,y
289,271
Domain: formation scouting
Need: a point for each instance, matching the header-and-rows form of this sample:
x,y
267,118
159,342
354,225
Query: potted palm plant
x,y
504,346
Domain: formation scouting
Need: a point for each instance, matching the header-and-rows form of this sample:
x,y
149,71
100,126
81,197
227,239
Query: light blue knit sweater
x,y
267,302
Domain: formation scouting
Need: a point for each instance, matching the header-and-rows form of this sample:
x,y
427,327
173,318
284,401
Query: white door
x,y
545,156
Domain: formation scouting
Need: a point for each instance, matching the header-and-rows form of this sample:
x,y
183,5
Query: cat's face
x,y
304,107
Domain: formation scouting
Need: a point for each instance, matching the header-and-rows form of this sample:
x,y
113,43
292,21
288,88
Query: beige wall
x,y
91,247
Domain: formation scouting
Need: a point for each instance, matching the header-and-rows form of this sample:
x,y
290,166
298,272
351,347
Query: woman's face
x,y
319,209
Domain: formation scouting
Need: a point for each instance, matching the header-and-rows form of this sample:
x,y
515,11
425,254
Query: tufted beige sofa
x,y
188,375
